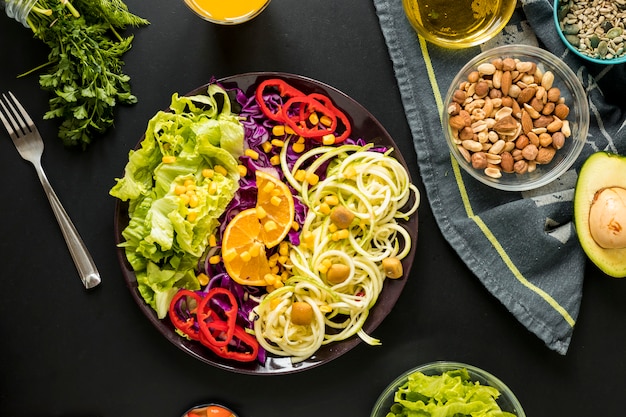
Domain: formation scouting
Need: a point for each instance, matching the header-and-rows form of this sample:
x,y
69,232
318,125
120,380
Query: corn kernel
x,y
215,259
283,248
194,201
340,234
189,182
260,212
278,130
212,240
332,228
220,170
331,200
203,279
270,279
300,139
349,172
251,153
300,175
275,201
245,256
243,170
314,118
326,308
289,130
180,189
213,188
229,255
275,160
278,143
168,159
307,236
324,208
208,173
312,178
328,139
278,284
274,302
298,147
326,121
255,250
268,187
270,226
184,198
275,270
295,225
266,146
322,268
282,259
192,216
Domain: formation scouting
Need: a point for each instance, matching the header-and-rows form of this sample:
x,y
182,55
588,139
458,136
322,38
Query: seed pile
x,y
508,116
595,27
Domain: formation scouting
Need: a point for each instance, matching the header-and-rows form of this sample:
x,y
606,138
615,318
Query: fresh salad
x,y
258,224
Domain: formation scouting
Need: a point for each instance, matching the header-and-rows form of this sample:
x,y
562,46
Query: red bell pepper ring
x,y
300,124
183,312
285,91
243,346
347,127
210,316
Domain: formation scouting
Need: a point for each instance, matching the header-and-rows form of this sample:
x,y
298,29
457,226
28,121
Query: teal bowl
x,y
558,12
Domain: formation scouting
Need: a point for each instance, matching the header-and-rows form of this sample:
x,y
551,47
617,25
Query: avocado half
x,y
600,171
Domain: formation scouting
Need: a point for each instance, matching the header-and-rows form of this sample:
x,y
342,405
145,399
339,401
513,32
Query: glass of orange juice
x,y
227,12
458,23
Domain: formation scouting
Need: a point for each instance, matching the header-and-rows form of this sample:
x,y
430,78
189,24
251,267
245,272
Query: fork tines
x,y
17,122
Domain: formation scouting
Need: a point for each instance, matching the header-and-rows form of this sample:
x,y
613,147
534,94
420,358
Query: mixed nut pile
x,y
595,27
507,116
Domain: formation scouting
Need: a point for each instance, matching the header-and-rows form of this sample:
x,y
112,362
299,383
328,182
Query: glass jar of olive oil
x,y
458,23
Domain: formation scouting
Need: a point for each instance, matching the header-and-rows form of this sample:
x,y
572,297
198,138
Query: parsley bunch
x,y
84,69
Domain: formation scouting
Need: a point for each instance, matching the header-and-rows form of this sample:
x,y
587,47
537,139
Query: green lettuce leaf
x,y
162,242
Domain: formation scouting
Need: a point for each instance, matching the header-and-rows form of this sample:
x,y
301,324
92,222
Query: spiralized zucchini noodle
x,y
376,188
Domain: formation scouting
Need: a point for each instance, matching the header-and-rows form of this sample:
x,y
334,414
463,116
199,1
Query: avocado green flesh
x,y
600,170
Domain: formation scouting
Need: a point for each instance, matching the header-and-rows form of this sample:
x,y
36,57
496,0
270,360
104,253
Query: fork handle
x,y
82,259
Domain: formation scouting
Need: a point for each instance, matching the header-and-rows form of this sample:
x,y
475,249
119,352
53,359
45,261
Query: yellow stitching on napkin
x,y
468,206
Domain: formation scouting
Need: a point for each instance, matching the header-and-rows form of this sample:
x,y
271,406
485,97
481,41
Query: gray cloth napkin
x,y
522,246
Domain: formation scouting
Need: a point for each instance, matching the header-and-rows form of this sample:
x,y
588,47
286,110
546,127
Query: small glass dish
x,y
560,11
459,23
227,12
546,165
507,400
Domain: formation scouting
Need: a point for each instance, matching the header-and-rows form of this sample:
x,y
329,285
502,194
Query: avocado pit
x,y
607,218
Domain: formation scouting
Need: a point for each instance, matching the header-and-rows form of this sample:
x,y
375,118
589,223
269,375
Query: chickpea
x,y
342,217
301,313
337,273
392,267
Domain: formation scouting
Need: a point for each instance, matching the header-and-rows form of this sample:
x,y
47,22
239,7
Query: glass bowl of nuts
x,y
516,117
593,31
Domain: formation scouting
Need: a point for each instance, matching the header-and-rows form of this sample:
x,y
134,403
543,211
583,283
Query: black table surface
x,y
65,351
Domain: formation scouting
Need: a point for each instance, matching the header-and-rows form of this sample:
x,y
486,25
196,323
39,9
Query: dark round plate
x,y
365,126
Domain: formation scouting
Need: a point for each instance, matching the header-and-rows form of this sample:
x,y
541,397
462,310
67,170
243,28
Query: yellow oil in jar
x,y
458,23
227,11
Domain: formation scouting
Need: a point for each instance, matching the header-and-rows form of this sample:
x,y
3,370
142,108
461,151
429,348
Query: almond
x,y
545,155
527,122
507,162
554,94
505,82
526,95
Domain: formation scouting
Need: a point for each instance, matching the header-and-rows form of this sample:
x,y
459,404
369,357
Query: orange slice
x,y
275,208
243,250
253,230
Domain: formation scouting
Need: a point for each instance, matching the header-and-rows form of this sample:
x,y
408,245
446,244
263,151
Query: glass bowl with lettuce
x,y
447,389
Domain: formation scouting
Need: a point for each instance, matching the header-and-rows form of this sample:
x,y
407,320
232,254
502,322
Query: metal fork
x,y
29,144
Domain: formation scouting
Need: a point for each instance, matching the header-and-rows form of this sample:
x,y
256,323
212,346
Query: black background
x,y
65,351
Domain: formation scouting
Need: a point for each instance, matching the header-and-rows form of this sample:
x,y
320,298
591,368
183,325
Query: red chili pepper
x,y
183,310
347,128
285,91
300,123
243,347
209,317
